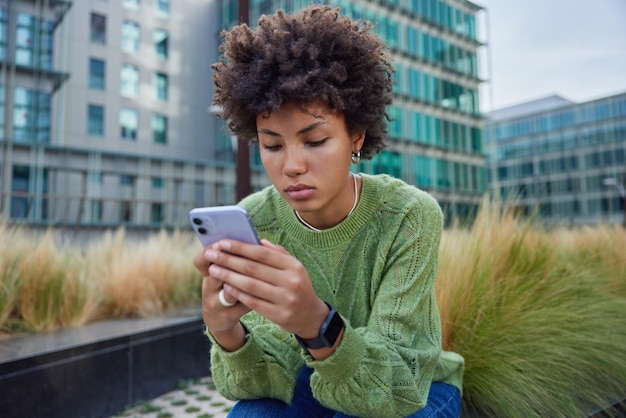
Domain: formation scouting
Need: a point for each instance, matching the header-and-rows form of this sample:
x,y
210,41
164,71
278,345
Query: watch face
x,y
334,328
329,331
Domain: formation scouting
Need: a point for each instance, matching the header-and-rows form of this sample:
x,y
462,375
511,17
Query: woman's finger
x,y
237,278
265,267
266,253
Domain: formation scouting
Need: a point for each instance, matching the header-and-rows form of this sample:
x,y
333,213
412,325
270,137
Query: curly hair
x,y
312,54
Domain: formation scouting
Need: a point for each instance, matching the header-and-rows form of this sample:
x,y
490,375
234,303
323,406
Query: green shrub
x,y
539,324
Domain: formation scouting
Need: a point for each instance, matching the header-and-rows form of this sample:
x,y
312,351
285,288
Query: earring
x,y
356,157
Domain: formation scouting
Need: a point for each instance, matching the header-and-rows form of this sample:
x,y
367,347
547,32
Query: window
x,y
159,129
160,39
130,80
33,43
162,8
23,204
158,183
20,188
156,212
96,177
127,180
24,39
130,36
98,28
423,170
2,110
126,211
159,81
31,115
132,4
3,33
129,123
96,211
619,105
96,74
95,120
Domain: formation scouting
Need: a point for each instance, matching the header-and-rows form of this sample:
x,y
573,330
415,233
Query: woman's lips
x,y
299,192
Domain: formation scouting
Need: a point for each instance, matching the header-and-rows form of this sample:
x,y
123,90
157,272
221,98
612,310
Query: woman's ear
x,y
357,140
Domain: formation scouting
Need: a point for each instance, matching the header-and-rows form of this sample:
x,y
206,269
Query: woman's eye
x,y
316,143
271,147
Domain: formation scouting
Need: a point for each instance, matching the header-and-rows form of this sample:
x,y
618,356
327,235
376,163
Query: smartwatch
x,y
329,332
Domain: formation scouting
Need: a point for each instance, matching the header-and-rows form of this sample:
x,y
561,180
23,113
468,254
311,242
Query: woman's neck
x,y
355,202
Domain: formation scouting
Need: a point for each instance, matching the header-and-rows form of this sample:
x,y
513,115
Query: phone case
x,y
214,223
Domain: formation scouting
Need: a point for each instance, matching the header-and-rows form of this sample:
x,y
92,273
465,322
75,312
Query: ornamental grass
x,y
52,292
539,315
10,261
144,278
47,284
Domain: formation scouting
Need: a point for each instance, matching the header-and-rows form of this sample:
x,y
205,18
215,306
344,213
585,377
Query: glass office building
x,y
436,136
105,108
561,161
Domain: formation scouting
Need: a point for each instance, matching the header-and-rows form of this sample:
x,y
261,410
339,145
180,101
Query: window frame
x,y
129,82
161,48
129,131
91,107
159,136
97,78
131,36
97,34
160,82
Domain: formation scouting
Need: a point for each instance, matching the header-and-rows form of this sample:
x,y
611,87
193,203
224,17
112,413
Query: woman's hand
x,y
264,278
221,321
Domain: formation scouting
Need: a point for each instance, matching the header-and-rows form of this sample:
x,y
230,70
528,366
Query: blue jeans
x,y
444,401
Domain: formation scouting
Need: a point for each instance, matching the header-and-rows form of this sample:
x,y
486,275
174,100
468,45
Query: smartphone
x,y
214,223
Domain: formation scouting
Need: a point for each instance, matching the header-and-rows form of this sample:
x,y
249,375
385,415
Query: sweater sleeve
x,y
263,368
386,367
268,364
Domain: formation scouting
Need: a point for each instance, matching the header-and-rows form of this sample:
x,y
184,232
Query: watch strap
x,y
329,331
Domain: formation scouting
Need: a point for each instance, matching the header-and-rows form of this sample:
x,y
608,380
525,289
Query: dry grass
x,y
53,294
144,278
45,285
538,315
10,260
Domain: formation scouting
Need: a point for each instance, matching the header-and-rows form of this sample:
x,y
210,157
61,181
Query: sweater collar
x,y
345,230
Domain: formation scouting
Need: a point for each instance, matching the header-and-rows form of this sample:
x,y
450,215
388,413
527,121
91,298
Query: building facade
x,y
436,135
561,161
105,114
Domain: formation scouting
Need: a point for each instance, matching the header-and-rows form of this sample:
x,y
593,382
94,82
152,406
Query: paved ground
x,y
193,399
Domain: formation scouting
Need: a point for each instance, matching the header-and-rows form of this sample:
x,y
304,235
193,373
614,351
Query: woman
x,y
334,314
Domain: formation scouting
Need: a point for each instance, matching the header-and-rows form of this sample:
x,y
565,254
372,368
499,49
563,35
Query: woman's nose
x,y
295,162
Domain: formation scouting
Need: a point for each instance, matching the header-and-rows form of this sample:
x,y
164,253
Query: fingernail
x,y
225,245
227,287
211,255
214,270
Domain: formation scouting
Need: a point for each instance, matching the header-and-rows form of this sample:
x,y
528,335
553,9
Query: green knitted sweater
x,y
377,268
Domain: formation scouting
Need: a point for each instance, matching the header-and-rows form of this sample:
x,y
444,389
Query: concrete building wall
x,y
71,177
192,49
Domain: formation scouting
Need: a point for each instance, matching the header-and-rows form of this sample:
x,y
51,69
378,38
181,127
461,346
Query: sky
x,y
573,48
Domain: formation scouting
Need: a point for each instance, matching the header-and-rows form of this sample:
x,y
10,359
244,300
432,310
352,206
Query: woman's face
x,y
306,153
